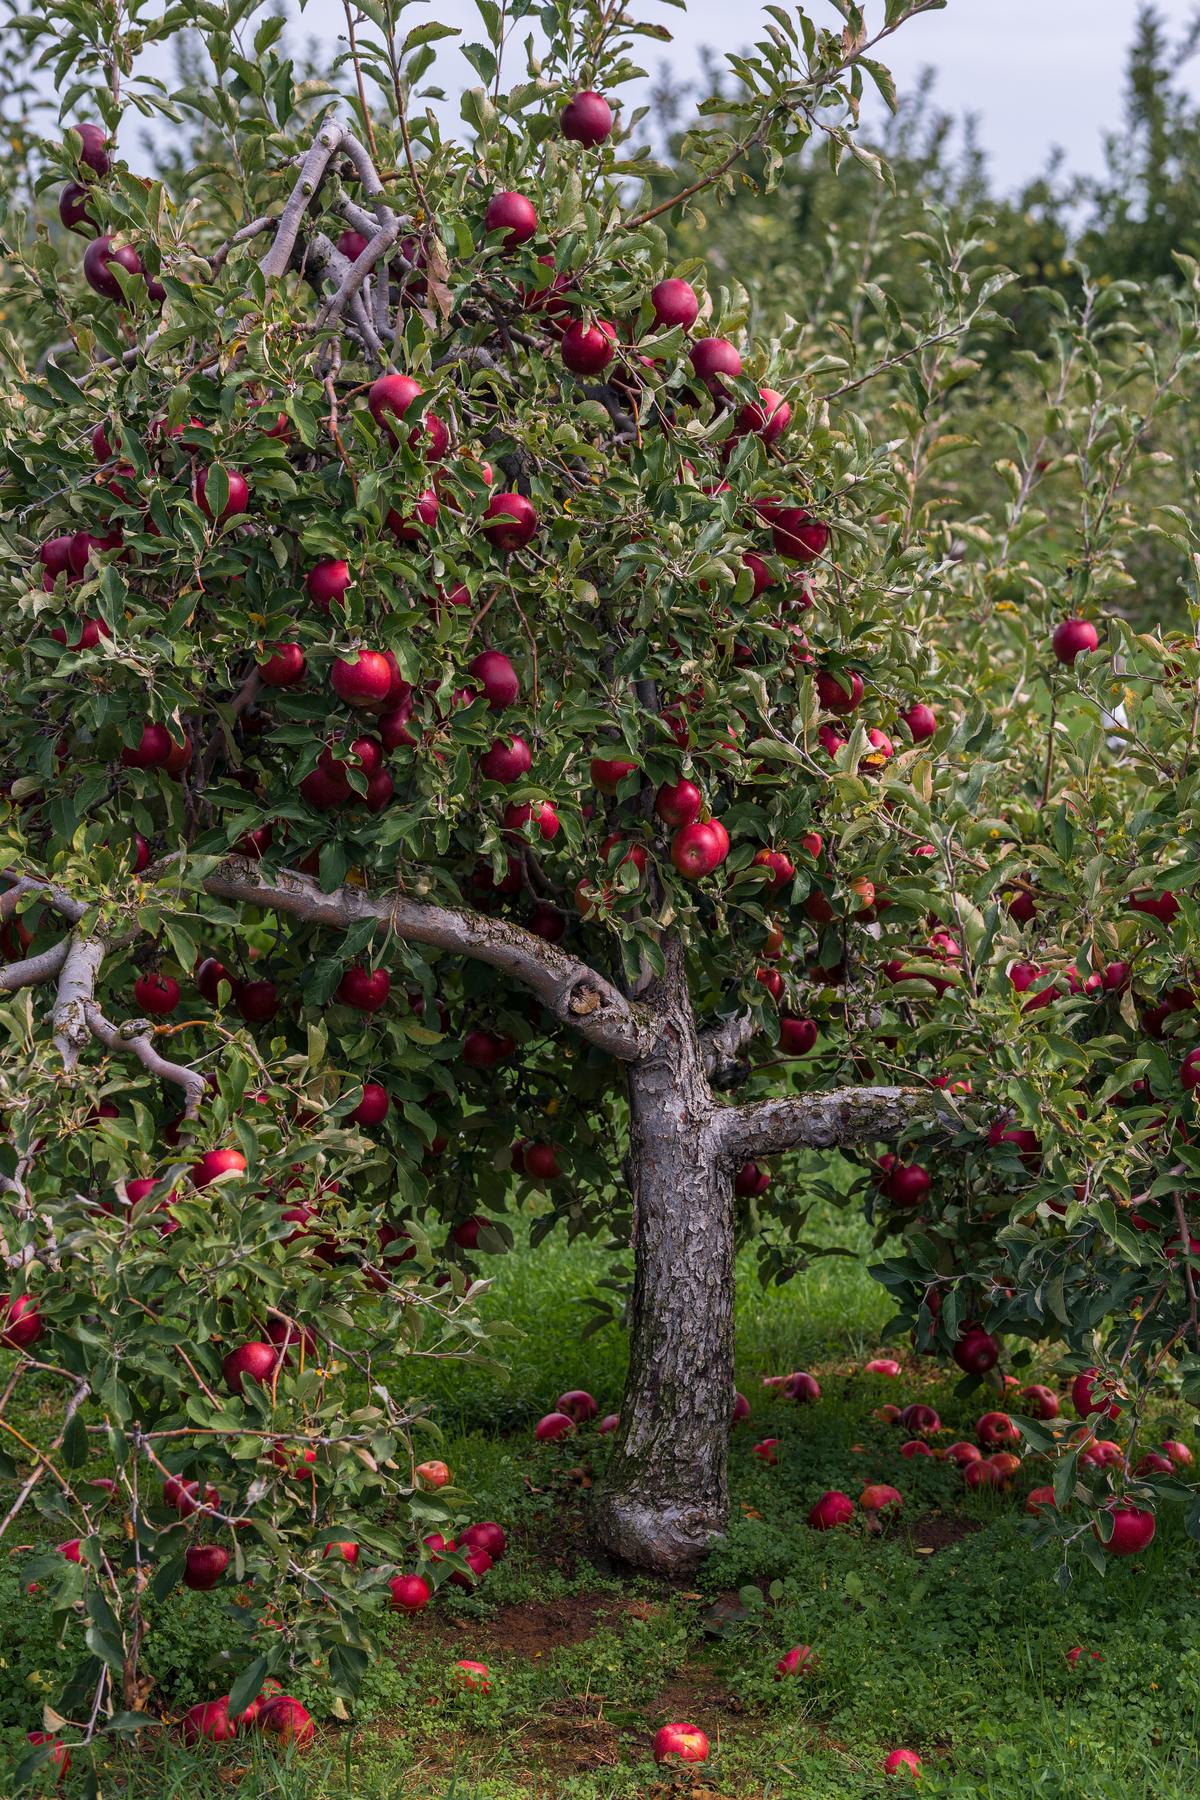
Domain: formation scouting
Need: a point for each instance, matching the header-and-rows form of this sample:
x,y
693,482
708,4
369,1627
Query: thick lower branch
x,y
576,994
826,1121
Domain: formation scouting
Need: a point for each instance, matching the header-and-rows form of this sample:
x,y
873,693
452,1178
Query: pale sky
x,y
1037,72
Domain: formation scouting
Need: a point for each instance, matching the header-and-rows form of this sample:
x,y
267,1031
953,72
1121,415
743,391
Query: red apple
x,y
157,994
577,1404
588,349
921,721
608,773
366,681
768,417
372,1108
506,761
542,814
553,1426
284,667
882,1365
256,1360
58,1757
215,1163
99,260
976,1351
906,1184
1074,637
474,1676
433,1475
238,498
204,1565
697,850
587,119
511,213
798,536
73,209
486,1536
497,678
833,1509
286,1719
410,1593
767,1451
994,1429
1132,1530
902,1762
839,693
674,303
1086,1401
921,1419
366,990
509,522
877,1497
327,581
796,1036
715,359
1040,1402
802,1388
257,1001
802,1659
208,1722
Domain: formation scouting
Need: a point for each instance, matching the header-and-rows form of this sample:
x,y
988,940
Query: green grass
x,y
959,1653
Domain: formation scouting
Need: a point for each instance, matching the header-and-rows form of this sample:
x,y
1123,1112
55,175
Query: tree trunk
x,y
665,1496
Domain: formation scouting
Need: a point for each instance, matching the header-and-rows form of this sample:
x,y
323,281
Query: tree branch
x,y
575,993
76,988
826,1121
133,1039
33,969
278,257
43,1462
721,1046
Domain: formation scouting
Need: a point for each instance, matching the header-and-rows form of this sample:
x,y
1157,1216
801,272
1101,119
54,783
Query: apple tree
x,y
462,694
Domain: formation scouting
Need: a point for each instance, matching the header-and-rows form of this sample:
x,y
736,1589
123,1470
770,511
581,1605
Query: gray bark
x,y
664,1498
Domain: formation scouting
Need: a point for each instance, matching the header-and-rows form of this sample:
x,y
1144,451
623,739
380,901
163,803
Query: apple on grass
x,y
686,1742
287,1720
553,1426
56,1754
833,1509
578,1404
474,1676
802,1659
903,1762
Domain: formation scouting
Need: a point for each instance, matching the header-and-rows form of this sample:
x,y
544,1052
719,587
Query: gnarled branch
x,y
76,989
576,994
826,1121
134,1039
